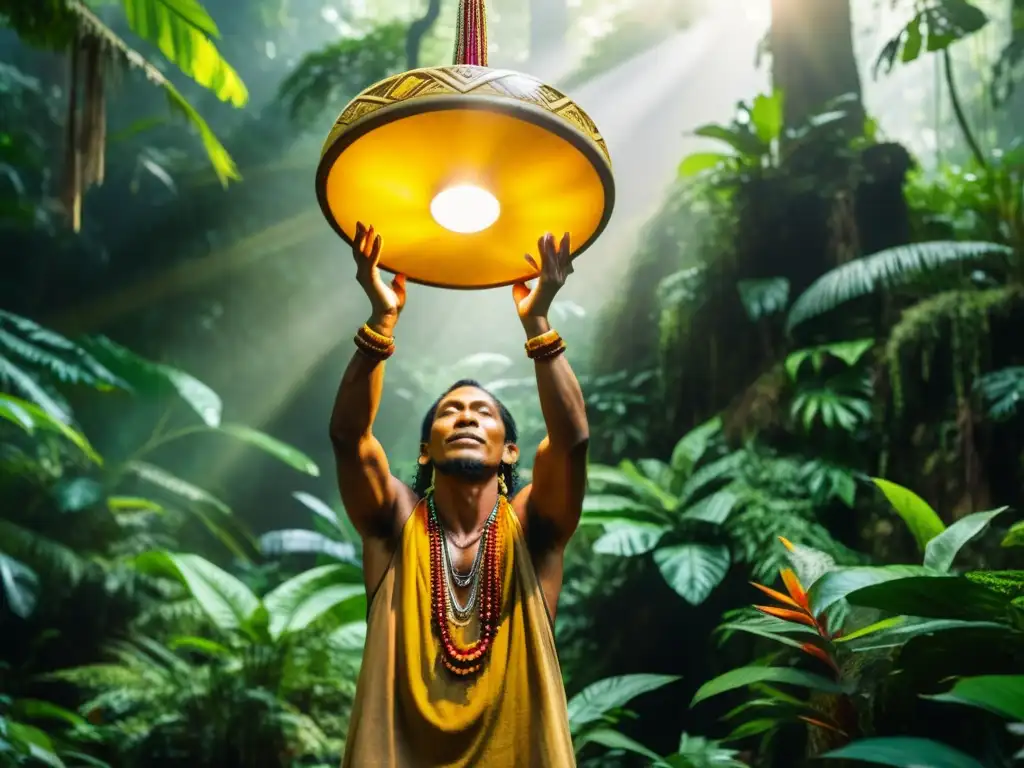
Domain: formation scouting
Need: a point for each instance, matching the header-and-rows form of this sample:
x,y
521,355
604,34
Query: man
x,y
463,578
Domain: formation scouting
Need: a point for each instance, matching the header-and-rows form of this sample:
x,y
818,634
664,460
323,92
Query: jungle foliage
x,y
832,391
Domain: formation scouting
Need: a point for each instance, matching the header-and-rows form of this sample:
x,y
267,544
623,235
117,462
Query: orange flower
x,y
796,608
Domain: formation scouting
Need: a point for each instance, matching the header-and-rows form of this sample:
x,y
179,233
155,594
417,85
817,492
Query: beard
x,y
470,470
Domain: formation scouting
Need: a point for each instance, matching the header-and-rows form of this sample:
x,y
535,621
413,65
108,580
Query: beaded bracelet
x,y
374,345
545,347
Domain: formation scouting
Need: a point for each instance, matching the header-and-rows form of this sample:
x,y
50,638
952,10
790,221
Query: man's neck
x,y
464,506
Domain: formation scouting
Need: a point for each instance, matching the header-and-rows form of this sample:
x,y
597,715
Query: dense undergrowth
x,y
826,314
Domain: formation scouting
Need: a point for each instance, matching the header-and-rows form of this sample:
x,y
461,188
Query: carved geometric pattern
x,y
466,80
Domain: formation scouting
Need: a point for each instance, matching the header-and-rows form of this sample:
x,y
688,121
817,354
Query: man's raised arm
x,y
368,489
555,499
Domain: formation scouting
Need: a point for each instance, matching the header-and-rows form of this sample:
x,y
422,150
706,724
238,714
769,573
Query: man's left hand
x,y
555,266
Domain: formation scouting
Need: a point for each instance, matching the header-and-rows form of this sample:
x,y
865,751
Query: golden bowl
x,y
407,139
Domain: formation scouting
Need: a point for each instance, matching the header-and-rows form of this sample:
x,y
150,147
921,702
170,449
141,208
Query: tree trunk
x,y
812,57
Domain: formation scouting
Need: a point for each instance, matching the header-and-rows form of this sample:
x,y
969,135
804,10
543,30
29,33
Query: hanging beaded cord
x,y
547,346
484,580
471,34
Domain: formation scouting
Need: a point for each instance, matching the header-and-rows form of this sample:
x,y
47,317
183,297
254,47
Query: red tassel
x,y
471,36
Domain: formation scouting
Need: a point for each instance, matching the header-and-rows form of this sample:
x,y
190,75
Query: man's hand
x,y
386,300
555,267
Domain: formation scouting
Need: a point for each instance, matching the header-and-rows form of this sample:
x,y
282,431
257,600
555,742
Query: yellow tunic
x,y
410,712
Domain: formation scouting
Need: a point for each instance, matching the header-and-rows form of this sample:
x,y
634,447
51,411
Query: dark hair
x,y
508,472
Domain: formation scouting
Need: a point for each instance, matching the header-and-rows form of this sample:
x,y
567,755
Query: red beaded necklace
x,y
466,660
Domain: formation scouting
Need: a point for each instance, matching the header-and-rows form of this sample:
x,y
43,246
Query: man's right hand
x,y
386,300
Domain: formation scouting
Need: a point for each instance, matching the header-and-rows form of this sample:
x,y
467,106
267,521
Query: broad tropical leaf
x,y
943,549
17,410
920,518
1001,694
182,29
745,676
306,598
628,539
890,268
596,699
850,352
693,570
612,739
226,600
218,156
302,542
904,752
279,450
839,584
898,630
935,597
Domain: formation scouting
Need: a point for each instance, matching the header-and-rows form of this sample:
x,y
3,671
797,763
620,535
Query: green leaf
x,y
898,630
222,162
175,485
920,518
133,504
746,144
1000,694
693,570
20,585
298,541
766,116
306,598
36,709
698,162
172,26
201,645
766,633
24,383
744,676
319,507
34,741
612,739
226,600
714,509
935,597
596,699
76,494
606,508
904,752
1015,536
43,420
838,585
14,413
626,539
155,379
850,352
894,267
942,550
692,446
279,450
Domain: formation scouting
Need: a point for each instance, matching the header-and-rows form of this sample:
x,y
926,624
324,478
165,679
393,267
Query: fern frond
x,y
43,555
49,352
21,381
890,268
1002,391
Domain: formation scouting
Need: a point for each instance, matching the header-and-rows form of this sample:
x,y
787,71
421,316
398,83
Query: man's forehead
x,y
468,394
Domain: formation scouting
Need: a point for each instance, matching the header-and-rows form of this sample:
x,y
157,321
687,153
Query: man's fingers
x,y
564,246
531,261
374,256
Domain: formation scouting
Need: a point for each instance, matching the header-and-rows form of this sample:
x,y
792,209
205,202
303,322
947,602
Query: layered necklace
x,y
484,580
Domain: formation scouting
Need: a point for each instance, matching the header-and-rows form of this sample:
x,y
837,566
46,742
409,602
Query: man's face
x,y
468,431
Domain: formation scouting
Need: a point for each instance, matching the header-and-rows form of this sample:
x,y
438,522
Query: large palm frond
x,y
893,267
